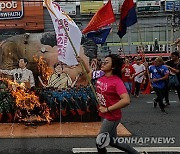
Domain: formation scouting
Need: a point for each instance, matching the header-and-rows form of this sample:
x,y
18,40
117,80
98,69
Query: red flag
x,y
148,89
127,18
103,17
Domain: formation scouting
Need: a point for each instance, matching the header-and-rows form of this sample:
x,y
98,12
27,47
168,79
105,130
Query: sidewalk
x,y
70,129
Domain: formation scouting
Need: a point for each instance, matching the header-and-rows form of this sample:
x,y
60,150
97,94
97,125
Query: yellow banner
x,y
90,7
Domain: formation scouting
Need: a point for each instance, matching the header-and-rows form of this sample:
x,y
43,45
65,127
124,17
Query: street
x,y
148,125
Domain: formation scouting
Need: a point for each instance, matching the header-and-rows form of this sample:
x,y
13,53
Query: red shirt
x,y
128,73
108,90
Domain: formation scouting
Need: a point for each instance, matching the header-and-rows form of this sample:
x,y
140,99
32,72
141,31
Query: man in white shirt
x,y
21,74
139,75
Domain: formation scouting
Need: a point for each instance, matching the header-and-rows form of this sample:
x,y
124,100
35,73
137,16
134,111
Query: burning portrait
x,y
39,87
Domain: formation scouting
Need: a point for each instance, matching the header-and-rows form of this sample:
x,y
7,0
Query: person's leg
x,y
138,85
130,88
111,128
178,91
166,92
127,87
136,88
160,96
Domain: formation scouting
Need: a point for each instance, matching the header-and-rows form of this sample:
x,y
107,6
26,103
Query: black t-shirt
x,y
172,64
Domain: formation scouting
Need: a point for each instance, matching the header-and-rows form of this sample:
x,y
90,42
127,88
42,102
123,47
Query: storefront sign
x,y
20,14
145,5
11,10
68,7
90,7
171,5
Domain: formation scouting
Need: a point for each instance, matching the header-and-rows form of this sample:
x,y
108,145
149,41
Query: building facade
x,y
161,24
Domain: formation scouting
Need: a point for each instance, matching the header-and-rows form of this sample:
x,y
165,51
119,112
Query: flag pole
x,y
74,49
148,75
121,41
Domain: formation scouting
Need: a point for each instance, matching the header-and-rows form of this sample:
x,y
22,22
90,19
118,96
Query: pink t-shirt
x,y
108,90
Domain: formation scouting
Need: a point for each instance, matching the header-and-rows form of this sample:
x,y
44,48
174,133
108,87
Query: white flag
x,y
65,50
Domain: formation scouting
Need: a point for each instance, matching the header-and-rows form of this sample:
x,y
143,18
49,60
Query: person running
x,y
159,75
112,96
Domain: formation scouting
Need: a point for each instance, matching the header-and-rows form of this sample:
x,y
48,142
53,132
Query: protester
x,y
21,75
139,75
159,75
128,73
112,96
174,75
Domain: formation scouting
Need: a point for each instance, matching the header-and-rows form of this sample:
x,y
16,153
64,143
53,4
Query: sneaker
x,y
153,92
176,92
137,96
163,111
167,104
154,103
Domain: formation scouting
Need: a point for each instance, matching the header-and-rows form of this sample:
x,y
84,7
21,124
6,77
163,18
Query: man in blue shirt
x,y
159,75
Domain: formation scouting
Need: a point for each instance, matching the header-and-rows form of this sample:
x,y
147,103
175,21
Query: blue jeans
x,y
128,86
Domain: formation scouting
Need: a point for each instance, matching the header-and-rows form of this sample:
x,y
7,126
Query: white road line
x,y
150,102
140,149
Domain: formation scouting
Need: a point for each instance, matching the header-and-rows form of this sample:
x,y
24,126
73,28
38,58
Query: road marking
x,y
150,102
140,149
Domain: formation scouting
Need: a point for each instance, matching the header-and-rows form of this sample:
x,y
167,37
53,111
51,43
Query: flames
x,y
26,101
43,68
27,105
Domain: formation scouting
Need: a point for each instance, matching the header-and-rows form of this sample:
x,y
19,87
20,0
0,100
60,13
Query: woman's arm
x,y
173,69
125,101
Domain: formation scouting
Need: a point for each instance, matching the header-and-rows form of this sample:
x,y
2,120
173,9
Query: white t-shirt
x,y
138,69
21,75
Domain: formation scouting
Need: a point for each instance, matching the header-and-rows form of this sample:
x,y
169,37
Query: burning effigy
x,y
43,103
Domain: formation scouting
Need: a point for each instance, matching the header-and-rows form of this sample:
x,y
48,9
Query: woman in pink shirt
x,y
112,96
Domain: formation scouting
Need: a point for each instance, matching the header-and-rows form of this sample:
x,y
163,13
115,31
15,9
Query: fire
x,y
28,101
43,68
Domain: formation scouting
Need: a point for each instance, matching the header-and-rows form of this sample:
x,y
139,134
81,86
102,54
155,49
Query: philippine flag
x,y
99,26
99,36
128,17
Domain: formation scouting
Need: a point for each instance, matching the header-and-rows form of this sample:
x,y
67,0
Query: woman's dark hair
x,y
117,63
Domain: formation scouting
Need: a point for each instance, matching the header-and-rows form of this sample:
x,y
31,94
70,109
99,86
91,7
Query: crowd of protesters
x,y
162,74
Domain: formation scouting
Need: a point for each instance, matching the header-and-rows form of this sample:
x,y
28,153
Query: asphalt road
x,y
149,126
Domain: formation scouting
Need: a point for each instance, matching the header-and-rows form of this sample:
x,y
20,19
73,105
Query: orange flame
x,y
27,100
43,68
